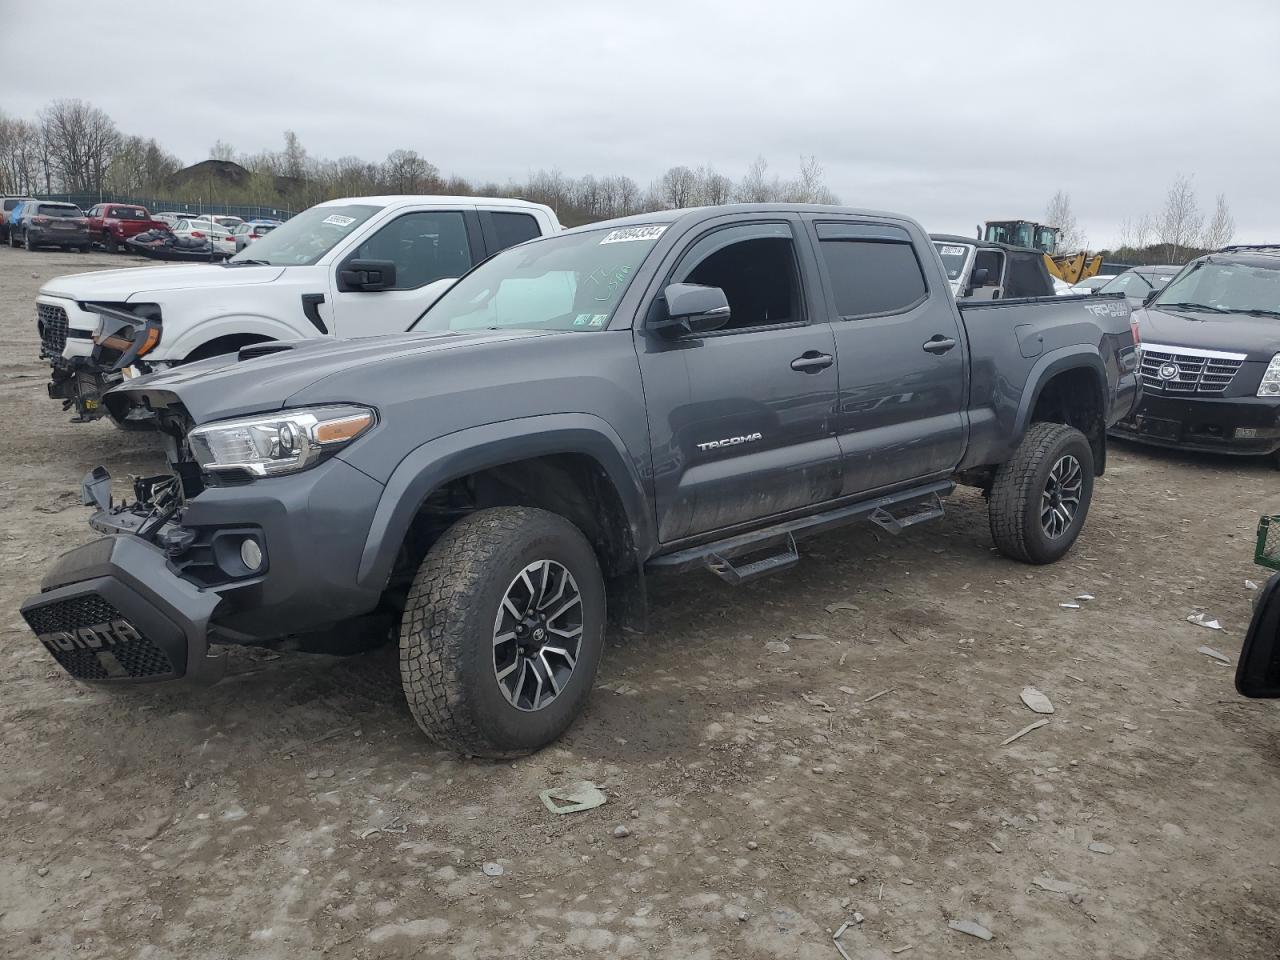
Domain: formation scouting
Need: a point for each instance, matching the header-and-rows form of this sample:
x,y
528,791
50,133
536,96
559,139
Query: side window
x,y
426,246
512,228
871,270
755,265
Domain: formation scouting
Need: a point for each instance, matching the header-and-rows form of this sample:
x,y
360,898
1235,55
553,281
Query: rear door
x,y
430,247
506,228
902,356
741,419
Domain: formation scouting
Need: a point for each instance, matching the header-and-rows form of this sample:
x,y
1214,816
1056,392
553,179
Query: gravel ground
x,y
782,755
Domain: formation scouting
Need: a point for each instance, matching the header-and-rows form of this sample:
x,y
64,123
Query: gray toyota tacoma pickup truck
x,y
577,415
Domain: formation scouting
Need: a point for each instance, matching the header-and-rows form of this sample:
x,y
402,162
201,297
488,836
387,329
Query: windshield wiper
x,y
245,263
1259,312
1191,306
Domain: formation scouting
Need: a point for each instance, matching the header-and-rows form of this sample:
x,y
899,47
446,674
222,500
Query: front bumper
x,y
1235,425
112,610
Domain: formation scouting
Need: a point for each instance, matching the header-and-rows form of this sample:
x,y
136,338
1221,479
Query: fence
x,y
245,211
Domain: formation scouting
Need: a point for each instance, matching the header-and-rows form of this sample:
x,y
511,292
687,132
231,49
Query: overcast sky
x,y
950,112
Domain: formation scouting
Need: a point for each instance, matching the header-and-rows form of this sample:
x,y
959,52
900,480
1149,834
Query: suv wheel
x,y
1040,498
503,632
26,241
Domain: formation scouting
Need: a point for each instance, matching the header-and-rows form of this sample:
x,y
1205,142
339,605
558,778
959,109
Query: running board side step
x,y
723,567
925,500
929,510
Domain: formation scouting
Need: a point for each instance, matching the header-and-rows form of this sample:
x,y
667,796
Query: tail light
x,y
1137,337
40,220
197,233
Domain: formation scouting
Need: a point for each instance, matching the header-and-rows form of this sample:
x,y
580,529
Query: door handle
x,y
811,361
938,344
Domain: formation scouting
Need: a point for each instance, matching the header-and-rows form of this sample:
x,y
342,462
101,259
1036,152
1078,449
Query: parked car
x,y
226,221
169,219
8,205
46,223
1211,356
1258,670
1138,283
1092,284
358,267
111,224
250,231
683,390
984,270
217,235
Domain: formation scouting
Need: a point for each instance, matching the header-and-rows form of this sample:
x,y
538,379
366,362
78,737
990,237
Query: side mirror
x,y
1258,672
1151,295
367,275
979,278
691,309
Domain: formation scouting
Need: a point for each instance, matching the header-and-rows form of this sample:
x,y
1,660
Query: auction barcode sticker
x,y
629,234
951,251
338,220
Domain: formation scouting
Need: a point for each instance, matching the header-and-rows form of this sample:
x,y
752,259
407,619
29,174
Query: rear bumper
x,y
1235,425
58,238
112,610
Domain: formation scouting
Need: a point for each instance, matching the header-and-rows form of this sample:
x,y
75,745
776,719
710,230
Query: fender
x,y
479,448
211,328
1049,366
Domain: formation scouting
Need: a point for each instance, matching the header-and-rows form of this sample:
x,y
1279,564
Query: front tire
x,y
1040,498
502,632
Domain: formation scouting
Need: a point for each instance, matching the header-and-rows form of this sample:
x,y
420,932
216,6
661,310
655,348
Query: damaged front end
x,y
126,333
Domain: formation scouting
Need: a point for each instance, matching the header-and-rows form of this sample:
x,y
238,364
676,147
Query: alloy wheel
x,y
1061,497
537,635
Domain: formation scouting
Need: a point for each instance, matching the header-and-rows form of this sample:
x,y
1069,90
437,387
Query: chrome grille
x,y
1192,371
52,324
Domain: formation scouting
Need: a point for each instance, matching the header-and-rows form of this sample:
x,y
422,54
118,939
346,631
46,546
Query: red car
x,y
111,224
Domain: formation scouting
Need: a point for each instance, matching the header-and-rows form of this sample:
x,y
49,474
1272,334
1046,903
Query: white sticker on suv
x,y
629,234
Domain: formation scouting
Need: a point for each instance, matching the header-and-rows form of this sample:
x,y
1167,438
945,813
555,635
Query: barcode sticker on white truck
x,y
629,234
951,251
338,220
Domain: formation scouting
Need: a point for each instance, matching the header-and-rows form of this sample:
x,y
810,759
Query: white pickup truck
x,y
358,267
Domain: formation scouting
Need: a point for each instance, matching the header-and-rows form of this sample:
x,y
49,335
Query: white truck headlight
x,y
1270,386
277,443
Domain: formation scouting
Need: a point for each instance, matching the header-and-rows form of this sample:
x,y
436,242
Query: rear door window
x,y
872,270
512,228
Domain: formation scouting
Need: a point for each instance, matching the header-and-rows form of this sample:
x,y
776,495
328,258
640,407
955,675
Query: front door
x,y
430,248
741,419
902,357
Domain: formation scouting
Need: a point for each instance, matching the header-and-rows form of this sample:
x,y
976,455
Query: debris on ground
x,y
1204,620
909,946
971,928
1035,700
849,690
583,795
826,707
1213,654
1024,731
877,696
995,846
1099,847
1248,585
842,605
839,932
621,831
393,826
763,718
1047,882
778,646
493,870
809,636
1085,597
1069,606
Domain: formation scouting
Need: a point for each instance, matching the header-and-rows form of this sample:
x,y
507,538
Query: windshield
x,y
953,258
1225,288
307,237
50,210
568,282
1136,284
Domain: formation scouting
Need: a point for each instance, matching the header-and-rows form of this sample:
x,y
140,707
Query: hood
x,y
227,386
1258,337
135,283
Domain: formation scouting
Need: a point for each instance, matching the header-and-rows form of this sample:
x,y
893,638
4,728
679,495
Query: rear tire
x,y
26,242
1040,498
109,242
465,685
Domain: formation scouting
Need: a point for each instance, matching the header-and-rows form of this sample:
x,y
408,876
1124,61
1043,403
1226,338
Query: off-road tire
x,y
446,635
1014,505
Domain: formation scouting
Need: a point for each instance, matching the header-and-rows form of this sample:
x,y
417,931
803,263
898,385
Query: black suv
x,y
1211,356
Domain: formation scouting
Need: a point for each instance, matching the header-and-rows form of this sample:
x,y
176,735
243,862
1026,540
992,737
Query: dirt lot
x,y
295,810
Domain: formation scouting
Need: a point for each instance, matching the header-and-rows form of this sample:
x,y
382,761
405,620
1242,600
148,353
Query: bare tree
x,y
1071,238
677,188
293,158
1179,224
809,186
406,172
1221,227
712,188
20,151
756,186
81,141
221,150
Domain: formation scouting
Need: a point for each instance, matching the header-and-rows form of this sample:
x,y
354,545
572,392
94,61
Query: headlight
x,y
283,442
1270,386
